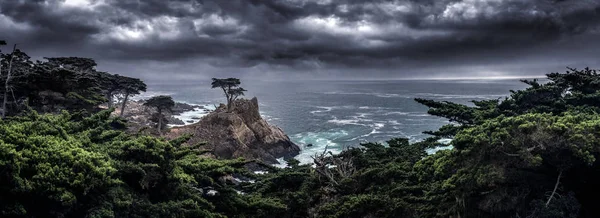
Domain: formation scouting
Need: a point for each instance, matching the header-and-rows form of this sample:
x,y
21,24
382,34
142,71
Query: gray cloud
x,y
334,38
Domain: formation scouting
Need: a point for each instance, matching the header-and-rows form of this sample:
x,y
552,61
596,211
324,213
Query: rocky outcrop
x,y
138,114
240,133
183,107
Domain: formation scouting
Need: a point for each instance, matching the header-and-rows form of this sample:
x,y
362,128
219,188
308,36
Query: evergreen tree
x,y
162,104
231,89
129,87
66,165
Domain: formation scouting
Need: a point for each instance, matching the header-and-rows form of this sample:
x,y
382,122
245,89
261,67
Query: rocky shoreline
x,y
137,113
241,132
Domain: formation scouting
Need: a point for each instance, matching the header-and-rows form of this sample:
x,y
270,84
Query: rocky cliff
x,y
240,133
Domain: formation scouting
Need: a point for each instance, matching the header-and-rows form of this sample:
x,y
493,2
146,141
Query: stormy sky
x,y
310,39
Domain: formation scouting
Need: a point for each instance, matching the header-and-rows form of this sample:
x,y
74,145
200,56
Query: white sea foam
x,y
378,125
445,141
362,115
419,115
149,94
375,130
381,95
388,95
320,141
281,163
396,132
440,148
444,145
343,122
411,114
260,172
194,116
394,122
268,117
373,108
323,110
454,96
395,113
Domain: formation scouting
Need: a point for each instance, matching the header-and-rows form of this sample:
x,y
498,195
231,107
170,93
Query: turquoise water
x,y
338,114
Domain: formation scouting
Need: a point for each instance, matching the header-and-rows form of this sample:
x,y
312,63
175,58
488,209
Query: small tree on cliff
x,y
161,103
231,88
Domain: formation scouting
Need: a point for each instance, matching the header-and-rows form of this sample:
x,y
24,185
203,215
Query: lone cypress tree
x,y
231,89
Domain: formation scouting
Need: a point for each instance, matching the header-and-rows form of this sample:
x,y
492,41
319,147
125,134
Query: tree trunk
x,y
160,118
2,110
109,97
555,187
7,81
227,97
124,104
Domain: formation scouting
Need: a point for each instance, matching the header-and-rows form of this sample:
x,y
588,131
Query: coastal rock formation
x,y
138,114
240,133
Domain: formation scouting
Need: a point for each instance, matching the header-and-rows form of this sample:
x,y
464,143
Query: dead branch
x,y
555,187
333,168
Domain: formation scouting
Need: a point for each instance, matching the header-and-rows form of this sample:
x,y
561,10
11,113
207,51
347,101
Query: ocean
x,y
339,114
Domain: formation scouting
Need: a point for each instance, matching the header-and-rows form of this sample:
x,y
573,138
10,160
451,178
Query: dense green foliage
x,y
65,166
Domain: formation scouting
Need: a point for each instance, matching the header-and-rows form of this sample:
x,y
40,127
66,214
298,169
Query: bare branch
x,y
511,155
555,187
8,74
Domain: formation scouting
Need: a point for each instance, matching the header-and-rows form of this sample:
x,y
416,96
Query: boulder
x,y
174,121
183,107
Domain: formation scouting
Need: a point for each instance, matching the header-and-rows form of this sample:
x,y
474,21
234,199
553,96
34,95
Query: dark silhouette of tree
x,y
110,85
68,83
161,103
2,42
129,87
74,63
15,69
7,81
231,88
114,84
236,92
59,83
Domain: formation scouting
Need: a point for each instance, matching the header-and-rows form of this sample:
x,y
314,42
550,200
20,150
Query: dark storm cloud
x,y
388,37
